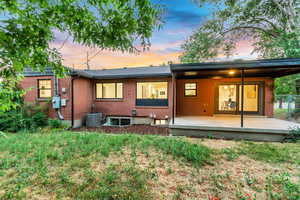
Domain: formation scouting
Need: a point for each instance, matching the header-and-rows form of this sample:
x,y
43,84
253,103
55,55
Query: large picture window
x,y
109,90
44,88
152,94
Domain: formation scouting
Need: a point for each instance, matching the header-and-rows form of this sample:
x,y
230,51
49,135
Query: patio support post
x,y
173,98
242,97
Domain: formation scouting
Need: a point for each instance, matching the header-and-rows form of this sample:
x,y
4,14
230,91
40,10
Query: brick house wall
x,y
30,84
124,107
204,102
84,98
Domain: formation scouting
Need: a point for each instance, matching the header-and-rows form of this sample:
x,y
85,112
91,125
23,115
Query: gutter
x,y
120,76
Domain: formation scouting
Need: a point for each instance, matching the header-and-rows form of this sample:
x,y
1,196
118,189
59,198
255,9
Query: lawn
x,y
68,165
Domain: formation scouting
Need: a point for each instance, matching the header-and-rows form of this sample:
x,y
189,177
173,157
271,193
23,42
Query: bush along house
x,y
198,97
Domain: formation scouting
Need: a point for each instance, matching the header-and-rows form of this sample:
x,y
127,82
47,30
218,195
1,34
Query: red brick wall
x,y
204,102
31,83
84,97
83,93
123,107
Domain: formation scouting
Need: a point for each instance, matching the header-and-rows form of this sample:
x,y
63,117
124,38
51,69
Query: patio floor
x,y
233,121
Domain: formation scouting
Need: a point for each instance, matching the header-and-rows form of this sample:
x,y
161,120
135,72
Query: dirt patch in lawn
x,y
137,129
175,179
214,143
95,166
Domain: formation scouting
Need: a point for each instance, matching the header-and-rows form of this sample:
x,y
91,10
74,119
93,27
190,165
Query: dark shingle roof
x,y
131,72
30,72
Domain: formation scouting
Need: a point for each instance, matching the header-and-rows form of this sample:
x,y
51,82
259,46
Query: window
x,y
152,90
109,90
190,89
44,88
115,121
152,94
160,122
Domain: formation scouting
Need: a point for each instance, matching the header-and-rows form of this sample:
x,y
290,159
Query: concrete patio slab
x,y
234,121
256,128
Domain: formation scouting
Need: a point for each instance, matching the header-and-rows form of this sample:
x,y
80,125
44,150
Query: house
x,y
141,94
160,95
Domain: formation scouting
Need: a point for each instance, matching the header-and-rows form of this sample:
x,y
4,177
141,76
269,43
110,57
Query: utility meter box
x,y
56,102
63,102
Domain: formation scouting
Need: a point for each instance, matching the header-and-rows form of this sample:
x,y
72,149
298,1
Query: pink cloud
x,y
75,55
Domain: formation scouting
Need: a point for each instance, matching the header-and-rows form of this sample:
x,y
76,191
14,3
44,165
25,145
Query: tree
x,y
27,27
273,26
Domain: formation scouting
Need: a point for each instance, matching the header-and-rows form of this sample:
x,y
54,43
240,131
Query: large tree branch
x,y
266,20
288,12
250,27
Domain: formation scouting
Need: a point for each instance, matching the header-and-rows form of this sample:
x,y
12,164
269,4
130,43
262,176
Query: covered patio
x,y
231,100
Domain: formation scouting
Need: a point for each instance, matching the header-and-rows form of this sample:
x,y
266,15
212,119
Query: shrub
x,y
294,135
55,123
27,117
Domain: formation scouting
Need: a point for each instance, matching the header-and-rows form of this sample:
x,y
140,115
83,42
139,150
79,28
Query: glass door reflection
x,y
227,98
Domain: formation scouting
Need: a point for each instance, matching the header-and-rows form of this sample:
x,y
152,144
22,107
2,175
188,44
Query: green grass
x,y
266,152
49,164
280,186
281,113
70,165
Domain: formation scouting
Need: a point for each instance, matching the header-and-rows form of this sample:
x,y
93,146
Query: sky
x,y
181,18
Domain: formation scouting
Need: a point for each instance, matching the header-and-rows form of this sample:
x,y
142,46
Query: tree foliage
x,y
27,27
273,27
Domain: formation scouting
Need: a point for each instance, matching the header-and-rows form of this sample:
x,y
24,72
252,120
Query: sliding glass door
x,y
251,100
229,98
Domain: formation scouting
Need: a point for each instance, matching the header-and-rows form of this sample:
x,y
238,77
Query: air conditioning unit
x,y
94,120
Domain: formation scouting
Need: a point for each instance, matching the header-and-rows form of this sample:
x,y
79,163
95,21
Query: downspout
x,y
72,101
56,94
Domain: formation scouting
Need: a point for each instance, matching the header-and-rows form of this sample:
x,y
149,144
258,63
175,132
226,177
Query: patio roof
x,y
252,68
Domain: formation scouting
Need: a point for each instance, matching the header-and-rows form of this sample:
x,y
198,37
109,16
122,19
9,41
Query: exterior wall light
x,y
231,72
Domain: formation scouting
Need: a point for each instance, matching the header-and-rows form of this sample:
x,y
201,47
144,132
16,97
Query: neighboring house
x,y
156,95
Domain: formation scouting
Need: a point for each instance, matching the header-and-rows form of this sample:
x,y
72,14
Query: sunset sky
x,y
182,17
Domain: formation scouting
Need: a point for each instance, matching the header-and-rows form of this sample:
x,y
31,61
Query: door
x,y
229,98
251,98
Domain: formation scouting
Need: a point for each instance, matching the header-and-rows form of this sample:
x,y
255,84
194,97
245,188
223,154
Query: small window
x,y
109,90
119,121
160,122
44,88
190,89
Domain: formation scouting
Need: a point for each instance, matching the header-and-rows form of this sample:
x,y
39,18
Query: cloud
x,y
75,55
182,17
